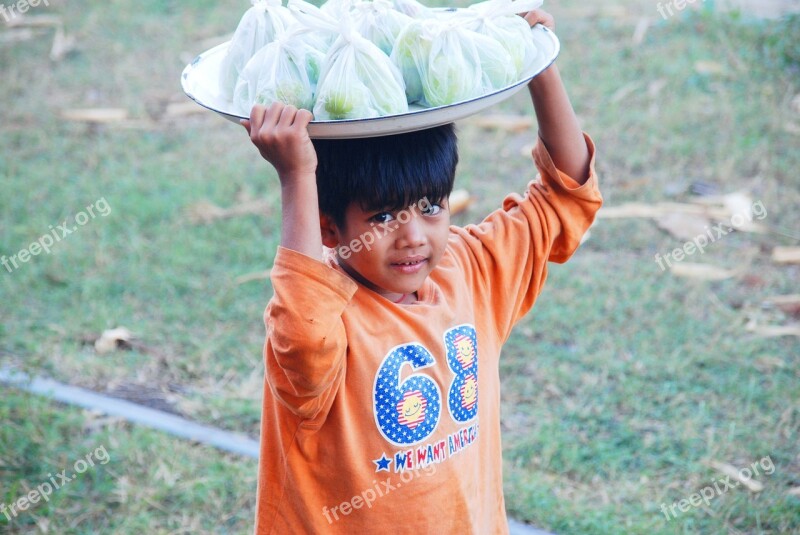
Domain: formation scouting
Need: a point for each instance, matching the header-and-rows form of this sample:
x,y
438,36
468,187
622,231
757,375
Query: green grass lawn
x,y
620,386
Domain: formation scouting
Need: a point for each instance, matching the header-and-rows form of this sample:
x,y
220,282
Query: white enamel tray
x,y
200,83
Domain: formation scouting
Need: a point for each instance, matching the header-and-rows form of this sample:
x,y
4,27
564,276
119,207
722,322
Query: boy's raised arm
x,y
280,133
558,125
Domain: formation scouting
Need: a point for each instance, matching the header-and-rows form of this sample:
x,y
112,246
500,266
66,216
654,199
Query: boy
x,y
381,397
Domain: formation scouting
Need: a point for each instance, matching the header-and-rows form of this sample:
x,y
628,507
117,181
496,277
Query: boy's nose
x,y
410,234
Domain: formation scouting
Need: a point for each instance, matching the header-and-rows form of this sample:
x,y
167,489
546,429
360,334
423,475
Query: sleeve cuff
x,y
552,176
292,262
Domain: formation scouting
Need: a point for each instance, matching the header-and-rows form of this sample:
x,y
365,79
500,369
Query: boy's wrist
x,y
293,179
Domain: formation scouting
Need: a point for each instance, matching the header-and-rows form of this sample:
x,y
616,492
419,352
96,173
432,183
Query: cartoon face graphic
x,y
412,409
465,350
469,392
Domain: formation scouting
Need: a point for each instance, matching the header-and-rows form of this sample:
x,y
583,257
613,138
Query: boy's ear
x,y
330,233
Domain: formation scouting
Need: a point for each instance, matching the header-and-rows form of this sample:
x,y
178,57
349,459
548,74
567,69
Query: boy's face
x,y
391,252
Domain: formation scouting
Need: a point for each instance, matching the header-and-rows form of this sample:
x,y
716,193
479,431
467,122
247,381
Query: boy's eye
x,y
382,217
433,210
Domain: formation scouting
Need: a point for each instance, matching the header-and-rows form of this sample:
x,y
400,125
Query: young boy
x,y
382,395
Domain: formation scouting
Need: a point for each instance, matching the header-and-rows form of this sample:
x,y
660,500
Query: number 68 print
x,y
407,412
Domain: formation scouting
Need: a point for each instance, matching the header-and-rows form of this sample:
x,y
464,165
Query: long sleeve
x,y
506,254
306,341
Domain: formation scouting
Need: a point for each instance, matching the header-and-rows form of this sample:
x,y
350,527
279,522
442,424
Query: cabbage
x,y
498,19
441,59
497,65
285,71
358,81
380,23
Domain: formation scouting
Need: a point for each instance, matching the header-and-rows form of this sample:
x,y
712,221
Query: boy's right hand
x,y
280,134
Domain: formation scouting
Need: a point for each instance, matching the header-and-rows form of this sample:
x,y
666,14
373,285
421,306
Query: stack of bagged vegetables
x,y
357,59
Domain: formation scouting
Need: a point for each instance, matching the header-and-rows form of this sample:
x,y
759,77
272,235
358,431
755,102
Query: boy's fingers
x,y
537,16
256,119
287,115
303,117
246,124
273,114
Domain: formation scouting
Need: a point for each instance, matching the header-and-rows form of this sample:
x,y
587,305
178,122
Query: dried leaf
x,y
95,115
510,123
641,30
624,91
38,21
63,44
113,339
459,201
180,109
701,271
786,255
19,35
655,87
710,67
773,331
795,104
206,211
255,276
631,210
787,303
732,472
768,363
683,226
740,207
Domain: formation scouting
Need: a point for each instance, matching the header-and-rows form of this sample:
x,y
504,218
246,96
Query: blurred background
x,y
633,385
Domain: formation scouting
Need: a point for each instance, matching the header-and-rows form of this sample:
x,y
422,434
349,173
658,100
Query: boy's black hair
x,y
386,172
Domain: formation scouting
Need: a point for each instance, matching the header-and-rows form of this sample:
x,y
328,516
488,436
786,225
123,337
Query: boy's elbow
x,y
305,366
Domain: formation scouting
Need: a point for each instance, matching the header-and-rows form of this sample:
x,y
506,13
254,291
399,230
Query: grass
x,y
618,387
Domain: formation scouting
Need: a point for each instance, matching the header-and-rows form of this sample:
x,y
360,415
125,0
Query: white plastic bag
x,y
259,26
412,8
285,70
323,20
499,20
497,65
358,81
439,61
379,22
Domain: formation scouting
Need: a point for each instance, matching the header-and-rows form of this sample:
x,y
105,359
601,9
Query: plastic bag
x,y
259,26
379,22
285,70
439,62
497,66
412,8
323,20
358,81
498,19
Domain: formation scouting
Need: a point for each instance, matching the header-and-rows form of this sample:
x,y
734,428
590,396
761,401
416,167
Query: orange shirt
x,y
385,418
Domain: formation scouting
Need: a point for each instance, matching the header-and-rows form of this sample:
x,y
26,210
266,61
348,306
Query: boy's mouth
x,y
409,265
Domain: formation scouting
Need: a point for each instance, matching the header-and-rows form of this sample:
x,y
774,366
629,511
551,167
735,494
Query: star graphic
x,y
382,463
